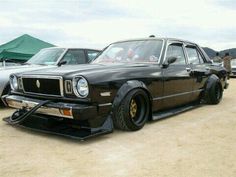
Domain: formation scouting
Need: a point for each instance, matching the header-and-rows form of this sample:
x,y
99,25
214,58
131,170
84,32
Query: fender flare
x,y
125,89
209,83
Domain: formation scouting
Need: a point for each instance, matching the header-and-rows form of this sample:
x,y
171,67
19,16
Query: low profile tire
x,y
215,93
133,111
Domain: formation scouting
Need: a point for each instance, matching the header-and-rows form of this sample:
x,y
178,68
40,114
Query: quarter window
x,y
176,50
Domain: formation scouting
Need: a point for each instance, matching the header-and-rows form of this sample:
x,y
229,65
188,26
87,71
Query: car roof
x,y
157,38
72,48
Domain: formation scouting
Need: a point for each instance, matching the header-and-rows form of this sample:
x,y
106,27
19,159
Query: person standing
x,y
227,63
217,58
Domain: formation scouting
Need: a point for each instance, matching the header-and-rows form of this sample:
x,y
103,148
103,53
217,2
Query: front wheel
x,y
133,111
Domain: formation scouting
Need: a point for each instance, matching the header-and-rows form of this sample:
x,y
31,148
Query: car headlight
x,y
13,82
80,87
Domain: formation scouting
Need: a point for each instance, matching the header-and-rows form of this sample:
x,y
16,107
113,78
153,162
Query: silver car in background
x,y
47,58
5,64
233,66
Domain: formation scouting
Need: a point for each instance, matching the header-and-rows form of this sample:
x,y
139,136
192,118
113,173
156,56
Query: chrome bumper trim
x,y
17,103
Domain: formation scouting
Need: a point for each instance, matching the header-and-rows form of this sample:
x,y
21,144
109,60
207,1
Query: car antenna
x,y
152,36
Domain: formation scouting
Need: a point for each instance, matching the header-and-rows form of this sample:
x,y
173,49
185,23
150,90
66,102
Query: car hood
x,y
86,69
102,72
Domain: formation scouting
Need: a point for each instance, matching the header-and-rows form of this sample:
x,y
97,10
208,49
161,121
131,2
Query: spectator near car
x,y
227,63
217,58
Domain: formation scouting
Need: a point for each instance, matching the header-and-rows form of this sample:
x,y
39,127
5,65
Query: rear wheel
x,y
215,93
133,111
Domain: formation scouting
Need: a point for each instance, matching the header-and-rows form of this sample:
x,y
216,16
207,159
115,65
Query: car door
x,y
199,69
178,83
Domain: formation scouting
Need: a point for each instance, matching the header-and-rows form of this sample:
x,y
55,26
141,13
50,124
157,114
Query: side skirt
x,y
174,111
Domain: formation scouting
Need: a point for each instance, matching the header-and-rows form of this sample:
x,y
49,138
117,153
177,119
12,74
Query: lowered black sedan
x,y
129,83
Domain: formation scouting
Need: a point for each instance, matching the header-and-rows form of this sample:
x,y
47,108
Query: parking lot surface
x,y
197,143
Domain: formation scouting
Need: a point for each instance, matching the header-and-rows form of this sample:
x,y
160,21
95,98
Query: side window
x,y
92,55
176,50
193,55
74,56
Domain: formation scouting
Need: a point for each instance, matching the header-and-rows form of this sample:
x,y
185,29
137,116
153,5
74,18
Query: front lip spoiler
x,y
43,125
19,102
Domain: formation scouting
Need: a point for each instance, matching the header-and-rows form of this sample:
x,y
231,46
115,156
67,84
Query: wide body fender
x,y
211,81
125,89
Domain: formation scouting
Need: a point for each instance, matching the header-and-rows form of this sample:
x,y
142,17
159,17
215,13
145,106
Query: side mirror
x,y
169,61
61,63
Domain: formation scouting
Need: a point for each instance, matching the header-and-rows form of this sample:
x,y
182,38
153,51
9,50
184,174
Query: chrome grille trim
x,y
44,77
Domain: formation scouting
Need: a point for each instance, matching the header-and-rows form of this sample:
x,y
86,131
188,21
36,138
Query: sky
x,y
97,23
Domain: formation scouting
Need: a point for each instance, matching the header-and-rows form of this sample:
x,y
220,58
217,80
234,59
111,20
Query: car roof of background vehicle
x,y
73,48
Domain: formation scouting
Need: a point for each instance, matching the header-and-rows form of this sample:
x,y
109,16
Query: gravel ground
x,y
198,143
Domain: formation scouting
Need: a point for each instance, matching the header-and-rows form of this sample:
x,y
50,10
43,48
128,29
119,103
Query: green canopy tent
x,y
22,48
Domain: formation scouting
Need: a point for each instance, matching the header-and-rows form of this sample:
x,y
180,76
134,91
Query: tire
x,y
215,93
133,111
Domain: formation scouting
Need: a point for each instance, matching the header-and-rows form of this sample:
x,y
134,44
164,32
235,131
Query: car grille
x,y
43,86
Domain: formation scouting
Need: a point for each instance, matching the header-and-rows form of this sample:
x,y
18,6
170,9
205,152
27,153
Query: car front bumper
x,y
58,109
85,121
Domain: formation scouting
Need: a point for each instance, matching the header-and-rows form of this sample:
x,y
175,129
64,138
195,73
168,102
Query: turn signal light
x,y
66,112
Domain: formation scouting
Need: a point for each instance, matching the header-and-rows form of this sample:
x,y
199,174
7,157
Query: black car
x,y
129,83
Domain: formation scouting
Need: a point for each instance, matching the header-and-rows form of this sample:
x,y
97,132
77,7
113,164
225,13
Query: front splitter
x,y
46,125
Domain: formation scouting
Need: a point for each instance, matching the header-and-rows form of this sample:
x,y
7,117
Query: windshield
x,y
132,52
48,56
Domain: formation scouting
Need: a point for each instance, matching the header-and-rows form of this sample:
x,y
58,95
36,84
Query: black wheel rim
x,y
138,109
